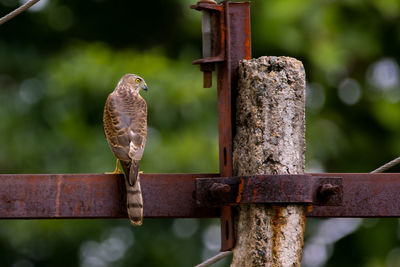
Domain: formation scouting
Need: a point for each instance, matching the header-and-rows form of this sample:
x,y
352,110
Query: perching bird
x,y
125,127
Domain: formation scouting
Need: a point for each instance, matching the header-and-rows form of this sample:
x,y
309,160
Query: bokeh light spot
x,y
185,228
349,91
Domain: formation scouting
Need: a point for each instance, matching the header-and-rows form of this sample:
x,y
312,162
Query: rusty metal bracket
x,y
213,38
269,189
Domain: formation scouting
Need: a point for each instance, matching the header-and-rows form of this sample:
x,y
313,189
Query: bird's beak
x,y
144,87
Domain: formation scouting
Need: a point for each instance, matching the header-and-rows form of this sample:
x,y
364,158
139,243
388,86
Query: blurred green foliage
x,y
60,60
62,109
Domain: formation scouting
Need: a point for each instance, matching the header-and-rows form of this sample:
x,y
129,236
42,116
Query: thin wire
x,y
18,11
214,259
387,166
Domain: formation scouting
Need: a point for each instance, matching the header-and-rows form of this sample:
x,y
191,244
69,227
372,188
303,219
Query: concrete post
x,y
270,139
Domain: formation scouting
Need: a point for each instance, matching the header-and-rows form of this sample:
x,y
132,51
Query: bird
x,y
125,128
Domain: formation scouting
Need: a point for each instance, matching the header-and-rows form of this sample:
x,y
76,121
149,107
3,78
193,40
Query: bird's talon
x,y
116,171
113,172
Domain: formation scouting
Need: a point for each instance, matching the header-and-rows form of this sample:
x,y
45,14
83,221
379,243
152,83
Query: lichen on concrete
x,y
270,139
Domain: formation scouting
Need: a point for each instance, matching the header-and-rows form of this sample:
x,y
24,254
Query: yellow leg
x,y
116,171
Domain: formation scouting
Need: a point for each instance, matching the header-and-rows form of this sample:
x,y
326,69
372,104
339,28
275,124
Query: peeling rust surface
x,y
240,191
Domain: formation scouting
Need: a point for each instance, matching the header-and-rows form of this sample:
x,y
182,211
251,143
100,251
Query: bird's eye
x,y
137,80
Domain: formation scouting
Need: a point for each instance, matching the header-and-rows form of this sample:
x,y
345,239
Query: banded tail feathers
x,y
134,202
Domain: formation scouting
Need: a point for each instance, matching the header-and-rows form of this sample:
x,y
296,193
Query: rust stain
x,y
277,224
58,195
240,190
309,208
78,208
69,189
254,194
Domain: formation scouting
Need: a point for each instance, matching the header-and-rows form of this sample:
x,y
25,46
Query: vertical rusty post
x,y
237,20
231,42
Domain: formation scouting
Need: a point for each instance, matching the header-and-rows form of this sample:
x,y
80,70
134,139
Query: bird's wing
x,y
137,134
116,128
137,127
125,127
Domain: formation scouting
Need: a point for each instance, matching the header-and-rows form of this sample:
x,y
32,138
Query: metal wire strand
x,y
387,166
18,11
214,259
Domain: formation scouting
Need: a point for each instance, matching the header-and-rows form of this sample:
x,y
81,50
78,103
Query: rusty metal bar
x,y
51,196
231,42
364,195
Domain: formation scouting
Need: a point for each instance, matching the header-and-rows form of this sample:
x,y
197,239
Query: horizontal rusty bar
x,y
269,189
364,195
39,196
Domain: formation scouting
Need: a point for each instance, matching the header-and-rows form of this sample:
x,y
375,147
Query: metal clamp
x,y
269,189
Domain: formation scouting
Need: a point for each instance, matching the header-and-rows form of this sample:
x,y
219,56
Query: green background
x,y
60,60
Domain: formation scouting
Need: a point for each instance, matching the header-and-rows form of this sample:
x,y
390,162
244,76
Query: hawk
x,y
125,127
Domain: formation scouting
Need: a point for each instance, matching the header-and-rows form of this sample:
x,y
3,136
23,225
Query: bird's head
x,y
133,82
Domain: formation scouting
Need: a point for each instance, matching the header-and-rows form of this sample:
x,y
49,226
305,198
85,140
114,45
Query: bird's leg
x,y
116,171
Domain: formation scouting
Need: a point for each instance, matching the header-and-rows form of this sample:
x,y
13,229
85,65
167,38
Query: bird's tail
x,y
134,203
134,200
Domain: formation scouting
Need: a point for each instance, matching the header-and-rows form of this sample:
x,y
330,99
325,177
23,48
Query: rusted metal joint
x,y
269,189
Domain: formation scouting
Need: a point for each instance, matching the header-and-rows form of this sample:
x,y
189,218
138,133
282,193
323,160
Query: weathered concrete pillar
x,y
270,139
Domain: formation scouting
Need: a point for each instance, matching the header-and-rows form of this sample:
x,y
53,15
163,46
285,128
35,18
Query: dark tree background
x,y
60,60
